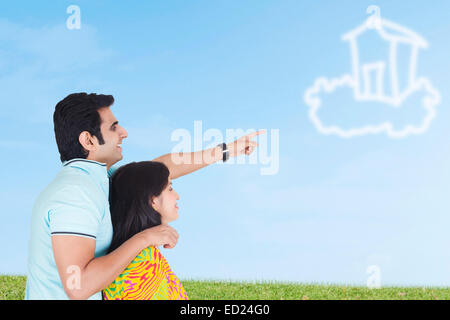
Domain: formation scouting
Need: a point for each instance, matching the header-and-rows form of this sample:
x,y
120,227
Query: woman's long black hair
x,y
131,189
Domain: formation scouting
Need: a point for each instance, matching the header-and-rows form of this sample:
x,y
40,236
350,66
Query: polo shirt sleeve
x,y
73,212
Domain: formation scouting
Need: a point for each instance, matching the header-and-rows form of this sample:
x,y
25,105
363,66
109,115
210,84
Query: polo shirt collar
x,y
94,168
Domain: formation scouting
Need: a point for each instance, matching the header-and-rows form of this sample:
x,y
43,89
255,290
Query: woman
x,y
141,197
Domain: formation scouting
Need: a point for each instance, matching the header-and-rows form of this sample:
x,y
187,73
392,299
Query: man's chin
x,y
116,160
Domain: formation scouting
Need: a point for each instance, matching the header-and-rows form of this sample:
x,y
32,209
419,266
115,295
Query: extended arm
x,y
180,164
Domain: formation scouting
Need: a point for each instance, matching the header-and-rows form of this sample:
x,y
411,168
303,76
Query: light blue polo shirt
x,y
74,203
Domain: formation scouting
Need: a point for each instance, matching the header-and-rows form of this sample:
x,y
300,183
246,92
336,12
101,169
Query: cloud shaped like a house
x,y
369,83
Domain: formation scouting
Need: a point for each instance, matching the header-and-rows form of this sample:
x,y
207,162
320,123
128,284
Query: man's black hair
x,y
74,114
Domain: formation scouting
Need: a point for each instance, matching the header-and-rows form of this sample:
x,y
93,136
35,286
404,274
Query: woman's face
x,y
166,204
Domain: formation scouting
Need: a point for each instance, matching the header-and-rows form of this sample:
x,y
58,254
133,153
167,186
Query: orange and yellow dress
x,y
148,277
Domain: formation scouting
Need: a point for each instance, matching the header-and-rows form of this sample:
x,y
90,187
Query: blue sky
x,y
335,207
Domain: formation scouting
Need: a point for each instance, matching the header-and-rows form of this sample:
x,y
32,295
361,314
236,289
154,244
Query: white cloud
x,y
326,86
376,79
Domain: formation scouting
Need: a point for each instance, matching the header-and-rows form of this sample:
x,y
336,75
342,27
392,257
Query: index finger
x,y
254,134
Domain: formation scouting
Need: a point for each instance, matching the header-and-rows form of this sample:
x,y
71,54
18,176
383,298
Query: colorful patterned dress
x,y
148,277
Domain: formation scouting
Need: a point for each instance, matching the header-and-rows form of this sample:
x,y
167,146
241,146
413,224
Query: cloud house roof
x,y
387,30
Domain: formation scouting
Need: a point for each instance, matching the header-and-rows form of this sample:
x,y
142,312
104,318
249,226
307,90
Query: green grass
x,y
215,290
13,288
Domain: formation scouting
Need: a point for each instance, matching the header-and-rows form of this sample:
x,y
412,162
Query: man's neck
x,y
108,165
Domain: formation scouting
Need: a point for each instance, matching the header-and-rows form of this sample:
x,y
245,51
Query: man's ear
x,y
87,141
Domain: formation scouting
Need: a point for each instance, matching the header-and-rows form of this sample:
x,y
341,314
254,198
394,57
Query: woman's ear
x,y
154,202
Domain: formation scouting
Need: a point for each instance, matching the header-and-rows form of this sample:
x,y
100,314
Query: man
x,y
71,228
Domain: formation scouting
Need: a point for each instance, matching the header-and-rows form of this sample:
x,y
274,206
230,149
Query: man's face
x,y
111,151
